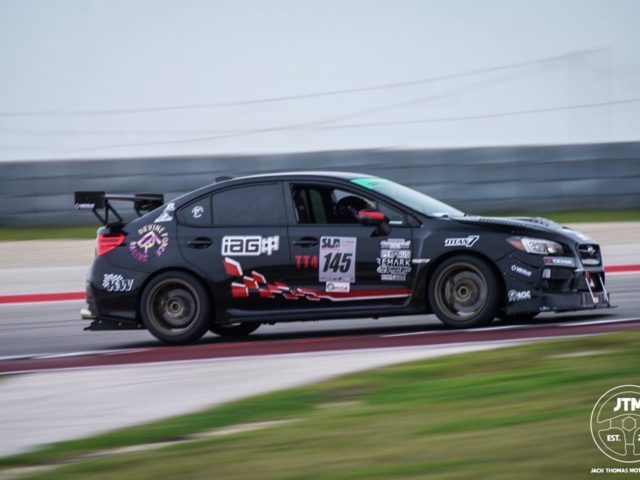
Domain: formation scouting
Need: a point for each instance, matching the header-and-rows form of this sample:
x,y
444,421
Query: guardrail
x,y
528,178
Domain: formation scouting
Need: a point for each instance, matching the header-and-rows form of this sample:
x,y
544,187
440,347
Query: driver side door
x,y
336,261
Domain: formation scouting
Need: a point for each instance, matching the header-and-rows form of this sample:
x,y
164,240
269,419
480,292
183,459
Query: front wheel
x,y
175,308
464,292
234,329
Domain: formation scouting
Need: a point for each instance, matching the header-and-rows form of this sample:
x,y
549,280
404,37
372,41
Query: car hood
x,y
528,226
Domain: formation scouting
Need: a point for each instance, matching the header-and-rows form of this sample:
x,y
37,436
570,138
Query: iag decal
x,y
113,282
153,241
249,245
461,242
306,261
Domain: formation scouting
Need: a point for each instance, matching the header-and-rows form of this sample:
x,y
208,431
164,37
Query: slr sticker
x,y
153,241
461,242
249,246
394,262
337,259
113,282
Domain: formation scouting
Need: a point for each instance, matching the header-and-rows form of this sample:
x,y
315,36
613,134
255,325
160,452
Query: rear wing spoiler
x,y
96,201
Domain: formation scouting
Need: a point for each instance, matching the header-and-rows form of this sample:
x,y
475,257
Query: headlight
x,y
538,246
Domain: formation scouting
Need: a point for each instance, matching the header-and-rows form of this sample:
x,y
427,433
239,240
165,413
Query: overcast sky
x,y
96,79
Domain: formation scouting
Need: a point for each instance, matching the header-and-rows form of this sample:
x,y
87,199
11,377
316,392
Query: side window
x,y
321,204
249,206
196,213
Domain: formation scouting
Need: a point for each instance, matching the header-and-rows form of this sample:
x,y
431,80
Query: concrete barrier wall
x,y
533,179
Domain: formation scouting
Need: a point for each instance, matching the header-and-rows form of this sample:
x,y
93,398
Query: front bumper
x,y
552,287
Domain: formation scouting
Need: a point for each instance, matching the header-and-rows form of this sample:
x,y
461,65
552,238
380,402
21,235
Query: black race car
x,y
307,246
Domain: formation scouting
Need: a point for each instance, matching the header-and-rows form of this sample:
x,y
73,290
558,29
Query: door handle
x,y
200,242
306,242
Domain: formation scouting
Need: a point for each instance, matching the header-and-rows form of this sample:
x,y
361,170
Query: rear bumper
x,y
109,310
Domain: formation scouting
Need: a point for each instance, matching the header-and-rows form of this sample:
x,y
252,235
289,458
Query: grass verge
x,y
516,413
47,233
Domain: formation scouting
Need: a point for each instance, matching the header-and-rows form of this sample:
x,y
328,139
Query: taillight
x,y
108,241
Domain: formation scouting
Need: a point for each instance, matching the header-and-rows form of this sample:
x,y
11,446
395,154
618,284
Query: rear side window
x,y
248,206
196,213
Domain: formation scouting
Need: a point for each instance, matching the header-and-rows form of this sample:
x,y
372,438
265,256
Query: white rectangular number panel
x,y
337,259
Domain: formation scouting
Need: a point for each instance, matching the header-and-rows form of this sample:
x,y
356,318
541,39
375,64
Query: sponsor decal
x,y
615,425
114,282
153,241
419,261
560,261
197,211
394,262
461,242
249,245
337,259
306,261
343,287
519,295
84,206
395,243
521,271
167,213
245,284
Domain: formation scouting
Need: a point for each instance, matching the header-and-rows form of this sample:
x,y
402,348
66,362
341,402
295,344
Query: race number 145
x,y
337,259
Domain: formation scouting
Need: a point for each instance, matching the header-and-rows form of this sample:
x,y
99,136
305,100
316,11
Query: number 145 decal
x,y
337,259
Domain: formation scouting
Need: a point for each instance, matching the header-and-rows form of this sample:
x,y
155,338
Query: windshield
x,y
417,201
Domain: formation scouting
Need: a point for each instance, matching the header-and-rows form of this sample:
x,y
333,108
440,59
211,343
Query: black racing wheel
x,y
175,308
234,329
465,292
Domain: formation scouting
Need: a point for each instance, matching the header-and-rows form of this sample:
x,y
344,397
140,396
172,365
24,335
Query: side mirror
x,y
371,218
375,218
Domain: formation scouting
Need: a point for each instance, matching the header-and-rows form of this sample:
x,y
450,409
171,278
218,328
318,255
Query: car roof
x,y
279,176
304,174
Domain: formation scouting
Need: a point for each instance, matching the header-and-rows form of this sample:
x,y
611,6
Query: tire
x,y
232,330
175,308
465,292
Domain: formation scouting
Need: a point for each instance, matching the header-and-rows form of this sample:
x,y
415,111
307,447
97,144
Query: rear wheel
x,y
464,292
175,308
234,329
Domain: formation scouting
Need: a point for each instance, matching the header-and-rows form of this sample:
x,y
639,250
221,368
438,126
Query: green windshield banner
x,y
370,183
